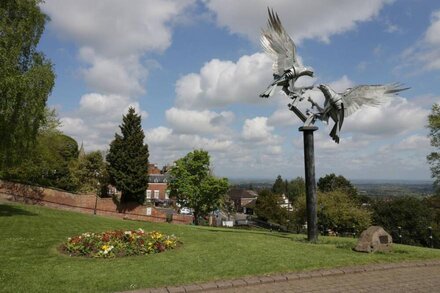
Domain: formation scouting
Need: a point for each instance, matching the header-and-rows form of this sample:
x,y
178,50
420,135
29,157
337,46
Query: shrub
x,y
118,243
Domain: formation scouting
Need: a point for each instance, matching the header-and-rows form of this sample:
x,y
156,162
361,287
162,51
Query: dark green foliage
x,y
411,214
48,163
337,211
292,189
26,79
128,159
279,186
268,208
88,173
331,182
296,188
193,186
434,134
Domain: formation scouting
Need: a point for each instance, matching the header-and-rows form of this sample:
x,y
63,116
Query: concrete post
x,y
311,198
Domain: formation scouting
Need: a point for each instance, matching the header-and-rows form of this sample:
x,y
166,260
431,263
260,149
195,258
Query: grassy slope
x,y
29,261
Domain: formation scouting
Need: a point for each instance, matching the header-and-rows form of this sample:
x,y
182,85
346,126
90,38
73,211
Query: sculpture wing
x,y
278,45
370,95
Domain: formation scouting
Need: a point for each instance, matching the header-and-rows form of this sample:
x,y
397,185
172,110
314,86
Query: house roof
x,y
251,204
237,193
158,178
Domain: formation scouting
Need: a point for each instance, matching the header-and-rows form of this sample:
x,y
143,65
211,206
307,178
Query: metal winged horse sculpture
x,y
287,68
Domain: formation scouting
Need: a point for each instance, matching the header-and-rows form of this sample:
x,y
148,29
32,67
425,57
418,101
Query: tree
x,y
46,164
337,210
268,208
296,188
331,182
434,134
411,214
26,79
279,186
87,172
128,159
193,185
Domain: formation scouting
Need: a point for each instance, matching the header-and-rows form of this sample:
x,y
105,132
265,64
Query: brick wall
x,y
84,203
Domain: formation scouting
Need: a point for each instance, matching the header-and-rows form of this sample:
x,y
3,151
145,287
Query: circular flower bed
x,y
118,243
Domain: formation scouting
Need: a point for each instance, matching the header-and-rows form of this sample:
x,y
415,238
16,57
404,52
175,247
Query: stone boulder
x,y
374,239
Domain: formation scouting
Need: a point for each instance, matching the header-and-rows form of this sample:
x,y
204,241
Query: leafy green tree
x,y
279,186
268,208
336,210
411,214
296,188
193,185
128,159
26,79
87,172
331,182
434,134
48,163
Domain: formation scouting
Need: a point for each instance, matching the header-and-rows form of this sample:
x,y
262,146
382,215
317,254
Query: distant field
x,y
372,188
30,261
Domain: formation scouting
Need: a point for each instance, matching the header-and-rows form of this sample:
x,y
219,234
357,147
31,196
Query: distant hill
x,y
373,188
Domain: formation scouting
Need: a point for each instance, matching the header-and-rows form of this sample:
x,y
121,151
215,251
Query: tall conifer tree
x,y
128,159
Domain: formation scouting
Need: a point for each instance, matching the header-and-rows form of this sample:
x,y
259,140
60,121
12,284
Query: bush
x,y
412,215
337,210
118,243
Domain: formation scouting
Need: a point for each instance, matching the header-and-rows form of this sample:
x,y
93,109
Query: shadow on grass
x,y
9,211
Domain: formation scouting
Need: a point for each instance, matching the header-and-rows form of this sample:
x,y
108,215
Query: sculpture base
x,y
308,128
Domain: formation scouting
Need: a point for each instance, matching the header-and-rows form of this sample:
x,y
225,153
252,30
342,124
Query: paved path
x,y
400,277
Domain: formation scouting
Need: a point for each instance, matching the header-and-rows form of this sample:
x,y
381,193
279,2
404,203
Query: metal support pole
x,y
311,198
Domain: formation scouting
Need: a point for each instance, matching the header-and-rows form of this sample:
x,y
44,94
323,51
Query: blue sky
x,y
194,69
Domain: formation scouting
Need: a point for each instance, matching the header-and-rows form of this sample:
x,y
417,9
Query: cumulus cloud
x,y
113,38
257,130
97,119
394,118
116,28
221,83
426,51
318,19
166,138
196,122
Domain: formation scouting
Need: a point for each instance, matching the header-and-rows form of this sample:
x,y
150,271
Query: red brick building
x,y
157,191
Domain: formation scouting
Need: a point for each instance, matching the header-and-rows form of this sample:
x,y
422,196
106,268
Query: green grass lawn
x,y
30,262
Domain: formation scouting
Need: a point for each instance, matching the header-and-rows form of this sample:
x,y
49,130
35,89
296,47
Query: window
x,y
148,194
156,194
167,194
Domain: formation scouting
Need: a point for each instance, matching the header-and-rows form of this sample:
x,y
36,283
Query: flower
x,y
118,243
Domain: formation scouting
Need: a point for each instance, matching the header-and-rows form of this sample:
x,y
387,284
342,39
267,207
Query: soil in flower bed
x,y
118,243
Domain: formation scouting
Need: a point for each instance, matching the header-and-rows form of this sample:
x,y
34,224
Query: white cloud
x,y
97,119
257,129
394,118
426,51
113,35
113,38
221,83
198,122
312,19
116,28
122,75
165,140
